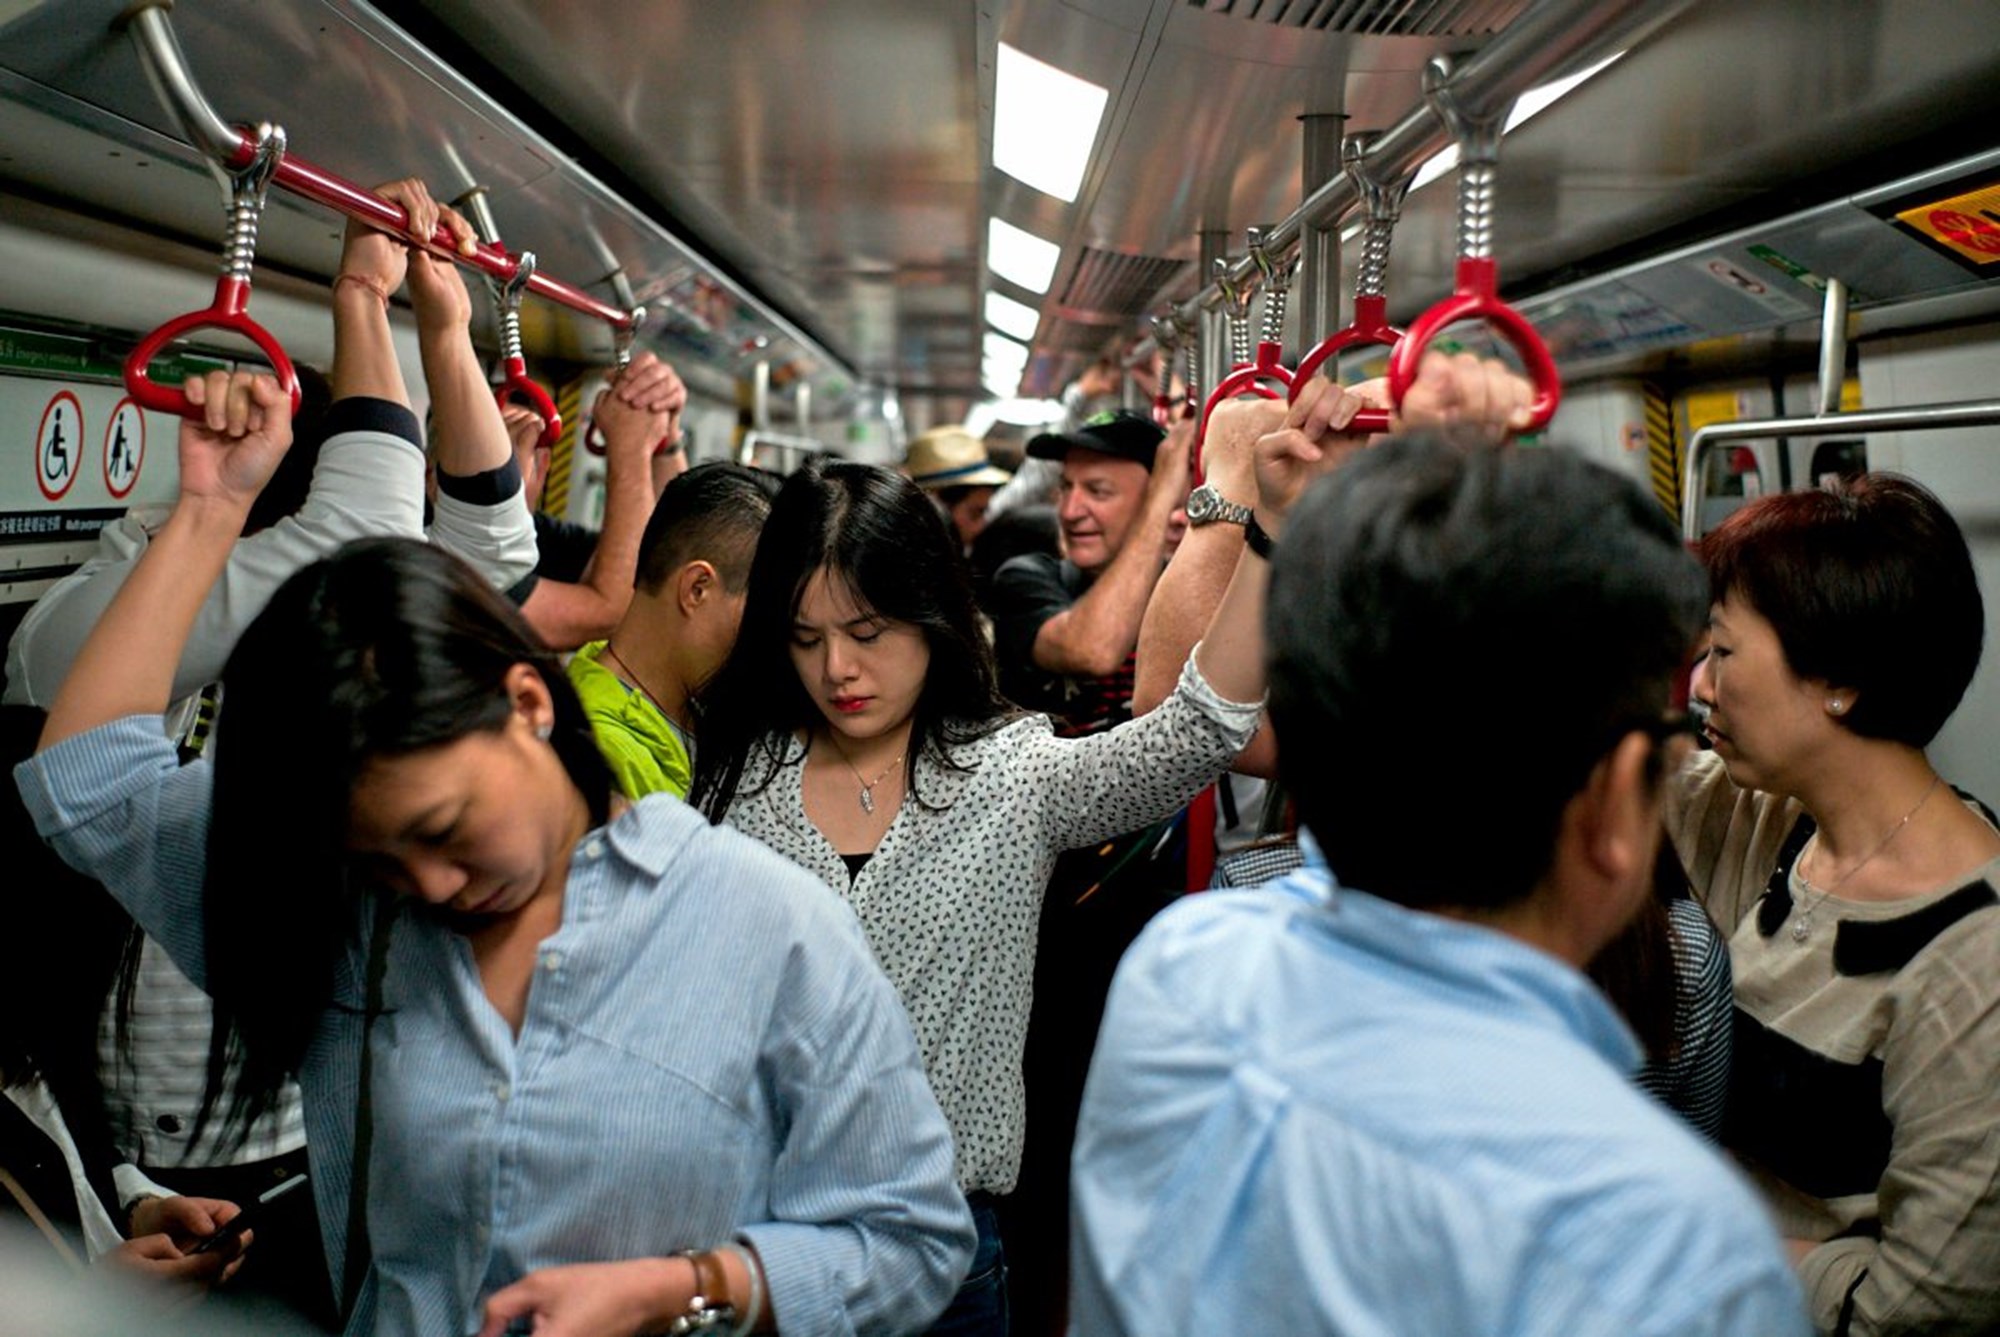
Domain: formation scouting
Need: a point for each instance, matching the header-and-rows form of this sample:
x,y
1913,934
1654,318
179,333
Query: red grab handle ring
x,y
1245,380
1370,327
226,313
1476,297
517,383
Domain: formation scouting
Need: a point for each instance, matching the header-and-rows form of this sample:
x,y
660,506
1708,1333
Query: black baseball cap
x,y
1120,433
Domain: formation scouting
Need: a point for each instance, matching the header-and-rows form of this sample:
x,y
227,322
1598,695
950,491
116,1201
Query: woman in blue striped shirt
x,y
580,1040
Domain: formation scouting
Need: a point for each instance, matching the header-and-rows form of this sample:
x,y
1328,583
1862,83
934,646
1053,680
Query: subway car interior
x,y
1741,246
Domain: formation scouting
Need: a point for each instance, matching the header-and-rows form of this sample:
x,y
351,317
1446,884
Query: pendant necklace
x,y
1802,924
647,692
867,786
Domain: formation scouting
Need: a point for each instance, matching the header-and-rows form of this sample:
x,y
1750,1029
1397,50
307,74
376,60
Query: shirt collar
x,y
1476,961
652,832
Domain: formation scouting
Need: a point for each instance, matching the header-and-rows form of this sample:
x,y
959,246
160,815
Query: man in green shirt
x,y
687,601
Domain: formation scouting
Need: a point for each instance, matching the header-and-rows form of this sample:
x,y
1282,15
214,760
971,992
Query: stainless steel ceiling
x,y
834,153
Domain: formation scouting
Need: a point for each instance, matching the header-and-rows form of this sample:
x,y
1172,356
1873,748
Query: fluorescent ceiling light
x,y
1002,351
1020,256
1002,384
1537,100
1029,412
1044,123
1012,317
1530,104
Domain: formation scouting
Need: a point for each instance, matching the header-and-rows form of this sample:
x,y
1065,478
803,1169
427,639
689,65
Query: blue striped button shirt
x,y
709,1052
1314,1111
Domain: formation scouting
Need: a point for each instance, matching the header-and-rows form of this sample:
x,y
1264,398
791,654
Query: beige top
x,y
1933,1025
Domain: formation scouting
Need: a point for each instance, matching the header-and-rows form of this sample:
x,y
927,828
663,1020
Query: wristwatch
x,y
1206,506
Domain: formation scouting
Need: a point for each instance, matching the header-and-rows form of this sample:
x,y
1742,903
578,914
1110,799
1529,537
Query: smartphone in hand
x,y
248,1218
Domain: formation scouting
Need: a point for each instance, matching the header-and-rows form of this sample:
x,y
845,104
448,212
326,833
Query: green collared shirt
x,y
647,751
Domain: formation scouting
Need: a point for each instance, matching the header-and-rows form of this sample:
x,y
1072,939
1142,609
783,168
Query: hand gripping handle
x,y
1245,380
1370,327
517,383
1476,298
226,313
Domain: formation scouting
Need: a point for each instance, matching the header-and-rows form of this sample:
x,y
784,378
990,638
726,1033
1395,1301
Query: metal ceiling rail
x,y
1554,39
227,149
1919,417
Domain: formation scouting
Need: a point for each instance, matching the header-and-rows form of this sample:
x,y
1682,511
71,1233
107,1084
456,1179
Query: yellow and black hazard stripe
x,y
555,492
1663,447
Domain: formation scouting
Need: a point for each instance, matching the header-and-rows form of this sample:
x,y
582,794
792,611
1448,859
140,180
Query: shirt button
x,y
594,850
551,960
501,1092
168,1123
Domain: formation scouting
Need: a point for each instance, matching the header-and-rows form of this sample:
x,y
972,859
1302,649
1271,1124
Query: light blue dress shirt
x,y
709,1053
1314,1111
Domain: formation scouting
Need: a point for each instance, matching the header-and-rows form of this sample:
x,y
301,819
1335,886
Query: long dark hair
x,y
879,533
390,647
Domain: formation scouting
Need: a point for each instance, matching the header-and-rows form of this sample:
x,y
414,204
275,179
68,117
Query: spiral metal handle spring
x,y
1236,305
1478,182
247,191
1277,293
508,295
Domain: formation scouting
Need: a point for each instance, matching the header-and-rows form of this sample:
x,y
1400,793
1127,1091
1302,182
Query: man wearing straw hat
x,y
952,465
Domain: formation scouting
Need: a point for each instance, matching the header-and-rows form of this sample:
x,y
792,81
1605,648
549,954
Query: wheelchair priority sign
x,y
59,446
124,448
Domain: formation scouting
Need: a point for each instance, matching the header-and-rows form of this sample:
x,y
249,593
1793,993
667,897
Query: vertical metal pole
x,y
760,396
1214,332
802,405
1316,291
1832,347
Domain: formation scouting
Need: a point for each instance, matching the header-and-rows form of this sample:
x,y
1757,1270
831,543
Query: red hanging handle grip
x,y
227,313
517,383
1476,297
1370,327
1245,380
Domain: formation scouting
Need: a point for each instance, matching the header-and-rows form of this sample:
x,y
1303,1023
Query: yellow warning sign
x,y
1969,224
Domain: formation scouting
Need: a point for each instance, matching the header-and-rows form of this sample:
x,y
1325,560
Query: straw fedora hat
x,y
951,457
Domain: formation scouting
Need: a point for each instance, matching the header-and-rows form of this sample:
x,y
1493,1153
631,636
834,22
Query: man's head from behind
x,y
694,560
1472,653
1107,463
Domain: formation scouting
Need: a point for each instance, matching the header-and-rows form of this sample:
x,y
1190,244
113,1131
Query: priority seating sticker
x,y
1968,225
59,446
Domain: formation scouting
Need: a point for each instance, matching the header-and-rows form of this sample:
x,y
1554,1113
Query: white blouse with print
x,y
952,897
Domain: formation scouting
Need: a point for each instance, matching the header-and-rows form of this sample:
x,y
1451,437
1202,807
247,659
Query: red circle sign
x,y
1974,234
124,448
59,446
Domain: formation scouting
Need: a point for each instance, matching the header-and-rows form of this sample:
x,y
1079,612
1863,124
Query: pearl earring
x,y
545,732
1835,704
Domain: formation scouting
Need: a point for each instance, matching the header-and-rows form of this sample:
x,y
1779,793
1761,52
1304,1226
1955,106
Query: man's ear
x,y
1604,850
1624,808
694,585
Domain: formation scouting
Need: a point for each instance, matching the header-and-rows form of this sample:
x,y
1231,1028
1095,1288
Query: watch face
x,y
1202,505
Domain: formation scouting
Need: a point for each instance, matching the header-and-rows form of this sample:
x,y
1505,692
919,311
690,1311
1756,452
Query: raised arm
x,y
126,667
1093,635
641,408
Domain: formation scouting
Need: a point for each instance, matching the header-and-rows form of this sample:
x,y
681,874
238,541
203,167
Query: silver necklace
x,y
1802,923
867,786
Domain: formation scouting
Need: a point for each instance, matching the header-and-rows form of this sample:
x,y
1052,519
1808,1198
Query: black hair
x,y
712,513
1015,533
1869,585
292,480
881,534
387,648
1458,636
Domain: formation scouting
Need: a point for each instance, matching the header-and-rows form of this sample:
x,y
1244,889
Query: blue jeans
x,y
980,1307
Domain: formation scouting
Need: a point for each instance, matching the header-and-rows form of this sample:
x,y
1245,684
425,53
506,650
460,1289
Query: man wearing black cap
x,y
1065,628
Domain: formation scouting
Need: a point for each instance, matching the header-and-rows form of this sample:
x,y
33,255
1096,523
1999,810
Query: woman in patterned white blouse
x,y
858,730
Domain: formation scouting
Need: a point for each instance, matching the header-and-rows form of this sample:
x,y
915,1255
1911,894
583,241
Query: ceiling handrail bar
x,y
1266,364
1553,39
228,148
1917,417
